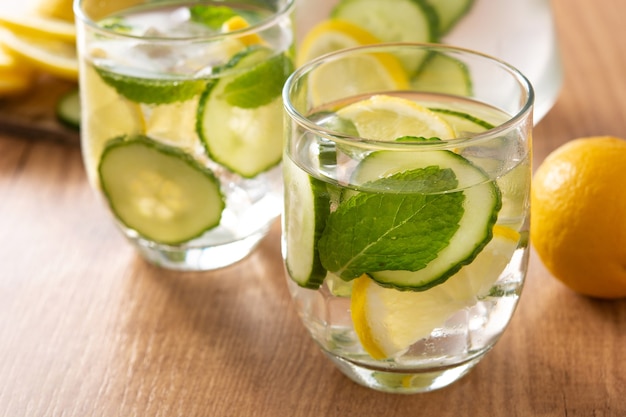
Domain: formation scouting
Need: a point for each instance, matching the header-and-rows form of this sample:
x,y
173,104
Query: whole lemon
x,y
578,215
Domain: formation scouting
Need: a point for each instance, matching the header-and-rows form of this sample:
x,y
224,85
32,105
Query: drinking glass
x,y
181,121
405,230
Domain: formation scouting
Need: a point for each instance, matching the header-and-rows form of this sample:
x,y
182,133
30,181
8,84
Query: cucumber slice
x,y
450,12
442,73
393,21
462,122
159,191
239,116
68,109
307,204
475,229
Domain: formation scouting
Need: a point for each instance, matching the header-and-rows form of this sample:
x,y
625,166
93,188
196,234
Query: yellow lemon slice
x,y
388,118
107,117
332,35
15,76
238,23
29,24
357,74
49,55
388,321
360,73
61,9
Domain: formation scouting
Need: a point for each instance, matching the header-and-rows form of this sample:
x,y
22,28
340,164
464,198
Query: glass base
x,y
199,258
404,381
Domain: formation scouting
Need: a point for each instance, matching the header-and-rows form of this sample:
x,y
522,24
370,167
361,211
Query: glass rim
x,y
82,16
339,137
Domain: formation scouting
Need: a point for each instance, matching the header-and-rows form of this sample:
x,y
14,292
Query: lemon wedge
x,y
388,321
332,35
388,118
30,24
53,56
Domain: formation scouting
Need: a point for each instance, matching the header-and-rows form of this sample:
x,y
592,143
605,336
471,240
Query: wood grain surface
x,y
89,329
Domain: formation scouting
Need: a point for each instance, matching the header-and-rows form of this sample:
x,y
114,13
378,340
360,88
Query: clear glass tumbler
x,y
405,231
181,121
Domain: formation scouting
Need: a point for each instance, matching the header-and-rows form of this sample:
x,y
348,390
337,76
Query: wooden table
x,y
89,329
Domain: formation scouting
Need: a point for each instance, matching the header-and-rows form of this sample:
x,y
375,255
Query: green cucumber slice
x,y
462,123
68,109
393,21
441,73
307,204
159,191
482,202
239,116
450,12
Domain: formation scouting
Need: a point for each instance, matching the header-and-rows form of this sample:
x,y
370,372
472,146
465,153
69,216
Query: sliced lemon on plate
x,y
364,73
15,75
388,118
53,56
30,24
388,321
61,9
332,35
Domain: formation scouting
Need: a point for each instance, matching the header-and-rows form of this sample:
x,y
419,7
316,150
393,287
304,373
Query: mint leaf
x,y
260,85
403,229
152,90
211,16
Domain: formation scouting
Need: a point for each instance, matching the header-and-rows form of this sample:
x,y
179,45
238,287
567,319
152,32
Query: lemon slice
x,y
388,321
61,9
107,117
388,118
238,23
29,24
332,35
12,83
15,76
356,74
52,56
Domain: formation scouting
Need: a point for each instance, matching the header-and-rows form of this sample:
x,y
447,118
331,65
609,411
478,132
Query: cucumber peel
x,y
68,109
159,191
307,206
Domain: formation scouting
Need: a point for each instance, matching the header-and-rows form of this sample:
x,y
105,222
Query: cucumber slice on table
x,y
419,237
307,204
68,109
449,12
157,190
240,115
441,73
393,21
